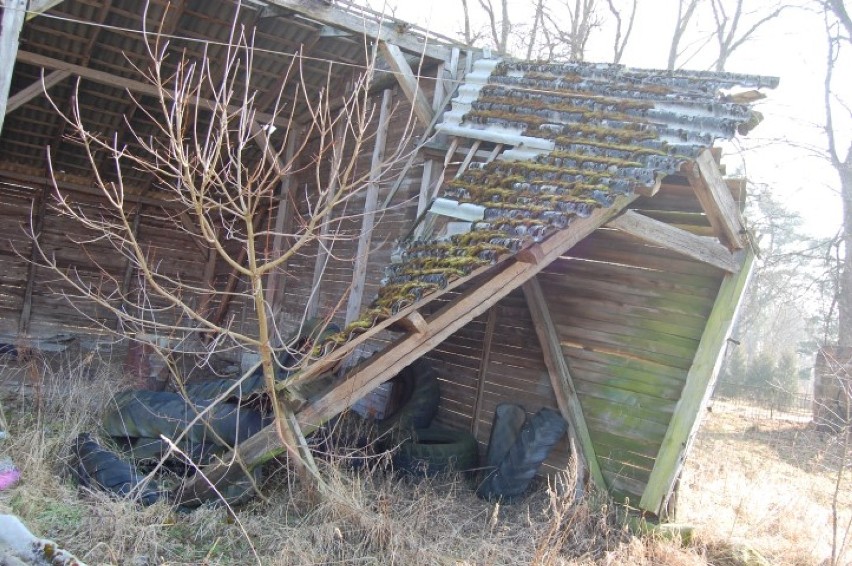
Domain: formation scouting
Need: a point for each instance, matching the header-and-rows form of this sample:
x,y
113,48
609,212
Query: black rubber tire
x,y
531,448
509,419
98,468
434,451
417,393
150,414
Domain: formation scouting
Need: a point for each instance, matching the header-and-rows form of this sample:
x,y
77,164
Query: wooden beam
x,y
560,377
134,85
359,270
413,323
700,381
389,31
35,89
716,200
706,250
484,360
38,7
10,32
504,278
407,82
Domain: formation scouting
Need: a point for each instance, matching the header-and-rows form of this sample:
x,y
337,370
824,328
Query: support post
x,y
26,309
362,258
10,33
560,376
700,381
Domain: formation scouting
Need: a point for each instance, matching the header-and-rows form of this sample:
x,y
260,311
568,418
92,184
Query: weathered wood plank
x,y
484,361
10,31
717,201
705,250
560,377
699,385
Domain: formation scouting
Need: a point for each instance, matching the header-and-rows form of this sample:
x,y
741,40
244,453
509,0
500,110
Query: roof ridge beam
x,y
390,31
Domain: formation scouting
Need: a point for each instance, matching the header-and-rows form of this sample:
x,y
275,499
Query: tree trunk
x,y
844,329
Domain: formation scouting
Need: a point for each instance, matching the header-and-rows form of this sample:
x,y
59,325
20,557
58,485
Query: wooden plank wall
x,y
391,224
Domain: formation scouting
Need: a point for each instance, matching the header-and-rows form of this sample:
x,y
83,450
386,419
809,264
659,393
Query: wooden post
x,y
359,275
10,32
283,222
26,309
560,377
321,261
483,368
700,381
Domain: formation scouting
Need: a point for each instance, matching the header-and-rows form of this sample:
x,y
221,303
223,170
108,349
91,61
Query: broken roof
x,y
574,136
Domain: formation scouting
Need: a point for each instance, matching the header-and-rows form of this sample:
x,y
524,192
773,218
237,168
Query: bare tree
x,y
622,36
685,11
499,23
839,33
729,21
222,172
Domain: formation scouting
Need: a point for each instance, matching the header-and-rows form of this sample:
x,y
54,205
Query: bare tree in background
x,y
223,171
622,34
559,30
839,33
729,21
685,11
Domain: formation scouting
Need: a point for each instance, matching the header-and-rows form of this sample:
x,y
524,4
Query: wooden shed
x,y
555,235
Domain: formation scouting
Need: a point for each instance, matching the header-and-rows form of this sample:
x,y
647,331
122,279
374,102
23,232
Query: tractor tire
x,y
150,414
536,439
434,451
509,419
98,468
416,393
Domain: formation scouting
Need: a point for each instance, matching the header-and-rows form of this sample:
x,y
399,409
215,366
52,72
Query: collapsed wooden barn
x,y
556,235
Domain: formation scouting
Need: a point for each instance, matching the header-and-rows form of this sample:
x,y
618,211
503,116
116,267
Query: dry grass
x,y
376,517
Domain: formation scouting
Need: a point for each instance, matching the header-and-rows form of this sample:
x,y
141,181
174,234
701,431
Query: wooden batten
x,y
700,381
36,89
362,256
719,205
560,376
483,368
408,82
706,250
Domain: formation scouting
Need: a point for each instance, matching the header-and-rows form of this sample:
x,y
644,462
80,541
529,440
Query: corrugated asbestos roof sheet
x,y
576,135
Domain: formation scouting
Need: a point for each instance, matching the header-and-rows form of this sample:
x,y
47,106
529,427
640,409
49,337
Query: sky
x,y
779,153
